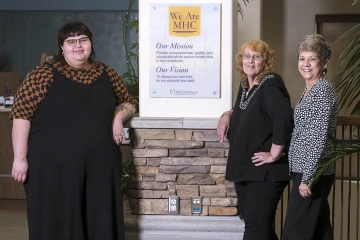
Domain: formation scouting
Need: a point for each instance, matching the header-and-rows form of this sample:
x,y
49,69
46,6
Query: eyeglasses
x,y
256,57
73,42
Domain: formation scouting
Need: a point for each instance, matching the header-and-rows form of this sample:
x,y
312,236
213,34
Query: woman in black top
x,y
258,129
308,214
68,119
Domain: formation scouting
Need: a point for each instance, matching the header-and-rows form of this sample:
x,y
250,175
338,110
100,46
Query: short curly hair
x,y
315,43
267,54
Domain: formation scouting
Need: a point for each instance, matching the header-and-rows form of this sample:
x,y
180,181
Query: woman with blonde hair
x,y
258,128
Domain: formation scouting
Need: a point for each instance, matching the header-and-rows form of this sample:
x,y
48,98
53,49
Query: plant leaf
x,y
347,76
341,148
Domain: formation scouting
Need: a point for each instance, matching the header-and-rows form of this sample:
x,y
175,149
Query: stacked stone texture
x,y
186,163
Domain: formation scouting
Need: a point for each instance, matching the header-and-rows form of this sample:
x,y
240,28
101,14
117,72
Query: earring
x,y
62,53
324,71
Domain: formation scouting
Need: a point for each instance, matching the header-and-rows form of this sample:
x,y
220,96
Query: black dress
x,y
73,189
259,119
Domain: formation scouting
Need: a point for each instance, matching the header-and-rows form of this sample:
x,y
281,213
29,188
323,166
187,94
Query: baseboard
x,y
165,227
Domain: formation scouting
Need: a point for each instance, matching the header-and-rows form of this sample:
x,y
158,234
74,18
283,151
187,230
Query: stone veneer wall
x,y
183,161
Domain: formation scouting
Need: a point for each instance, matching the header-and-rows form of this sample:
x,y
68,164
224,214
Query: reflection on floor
x,y
13,226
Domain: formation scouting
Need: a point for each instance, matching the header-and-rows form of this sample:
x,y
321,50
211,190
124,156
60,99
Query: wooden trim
x,y
12,205
337,18
348,120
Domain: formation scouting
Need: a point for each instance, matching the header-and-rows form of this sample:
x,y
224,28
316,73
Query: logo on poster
x,y
184,21
184,92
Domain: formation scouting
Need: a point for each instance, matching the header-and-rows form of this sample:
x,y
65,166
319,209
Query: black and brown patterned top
x,y
36,84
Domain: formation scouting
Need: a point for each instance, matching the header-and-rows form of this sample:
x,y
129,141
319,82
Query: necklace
x,y
306,90
243,103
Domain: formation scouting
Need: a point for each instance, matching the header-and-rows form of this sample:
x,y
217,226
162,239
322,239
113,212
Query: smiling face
x,y
77,56
310,66
253,63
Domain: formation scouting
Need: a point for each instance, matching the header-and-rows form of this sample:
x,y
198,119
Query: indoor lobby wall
x,y
249,28
285,22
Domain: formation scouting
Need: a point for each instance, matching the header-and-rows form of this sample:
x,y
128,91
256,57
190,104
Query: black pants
x,y
309,218
257,204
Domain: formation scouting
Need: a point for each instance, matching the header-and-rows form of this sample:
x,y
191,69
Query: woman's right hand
x,y
19,170
223,126
305,191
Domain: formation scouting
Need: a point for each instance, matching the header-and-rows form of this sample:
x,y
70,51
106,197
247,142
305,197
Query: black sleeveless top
x,y
73,113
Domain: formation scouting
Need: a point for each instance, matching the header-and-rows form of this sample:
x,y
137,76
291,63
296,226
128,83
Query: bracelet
x,y
225,114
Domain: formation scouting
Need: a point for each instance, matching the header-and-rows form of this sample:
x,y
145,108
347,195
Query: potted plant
x,y
131,77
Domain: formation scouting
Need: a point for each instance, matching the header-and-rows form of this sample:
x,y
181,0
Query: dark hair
x,y
267,54
73,29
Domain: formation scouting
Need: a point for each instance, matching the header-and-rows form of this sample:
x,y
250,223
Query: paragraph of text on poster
x,y
185,66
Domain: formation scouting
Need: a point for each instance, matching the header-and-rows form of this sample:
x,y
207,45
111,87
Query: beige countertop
x,y
176,122
5,109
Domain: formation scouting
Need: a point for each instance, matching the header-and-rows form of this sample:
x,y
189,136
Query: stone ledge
x,y
175,123
165,227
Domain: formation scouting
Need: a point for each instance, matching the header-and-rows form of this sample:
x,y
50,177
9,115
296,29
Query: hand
x,y
305,191
19,170
118,131
261,158
223,127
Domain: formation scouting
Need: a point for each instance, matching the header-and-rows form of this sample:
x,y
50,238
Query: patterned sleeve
x,y
121,93
31,92
322,114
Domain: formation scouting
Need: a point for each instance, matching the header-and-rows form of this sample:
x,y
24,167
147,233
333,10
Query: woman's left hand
x,y
122,113
305,191
118,131
261,158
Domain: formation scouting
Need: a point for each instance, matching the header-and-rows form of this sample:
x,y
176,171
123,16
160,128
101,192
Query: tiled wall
x,y
25,35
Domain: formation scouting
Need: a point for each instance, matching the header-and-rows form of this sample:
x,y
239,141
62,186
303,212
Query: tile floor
x,y
13,226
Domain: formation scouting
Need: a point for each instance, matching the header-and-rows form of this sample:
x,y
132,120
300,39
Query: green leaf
x,y
341,148
128,167
240,9
347,76
134,24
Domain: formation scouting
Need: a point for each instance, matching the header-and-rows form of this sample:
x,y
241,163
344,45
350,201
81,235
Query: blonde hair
x,y
267,55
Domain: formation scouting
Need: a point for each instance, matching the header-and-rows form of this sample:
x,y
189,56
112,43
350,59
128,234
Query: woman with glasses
x,y
258,128
68,119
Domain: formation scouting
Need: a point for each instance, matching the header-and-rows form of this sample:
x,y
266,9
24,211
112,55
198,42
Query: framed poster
x,y
184,50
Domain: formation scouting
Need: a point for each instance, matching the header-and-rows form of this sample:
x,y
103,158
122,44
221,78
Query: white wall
x,y
250,25
249,28
285,22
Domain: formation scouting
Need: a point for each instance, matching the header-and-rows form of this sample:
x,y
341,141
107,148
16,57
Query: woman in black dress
x,y
68,119
258,128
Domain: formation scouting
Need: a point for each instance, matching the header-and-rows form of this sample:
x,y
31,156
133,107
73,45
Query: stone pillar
x,y
179,156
